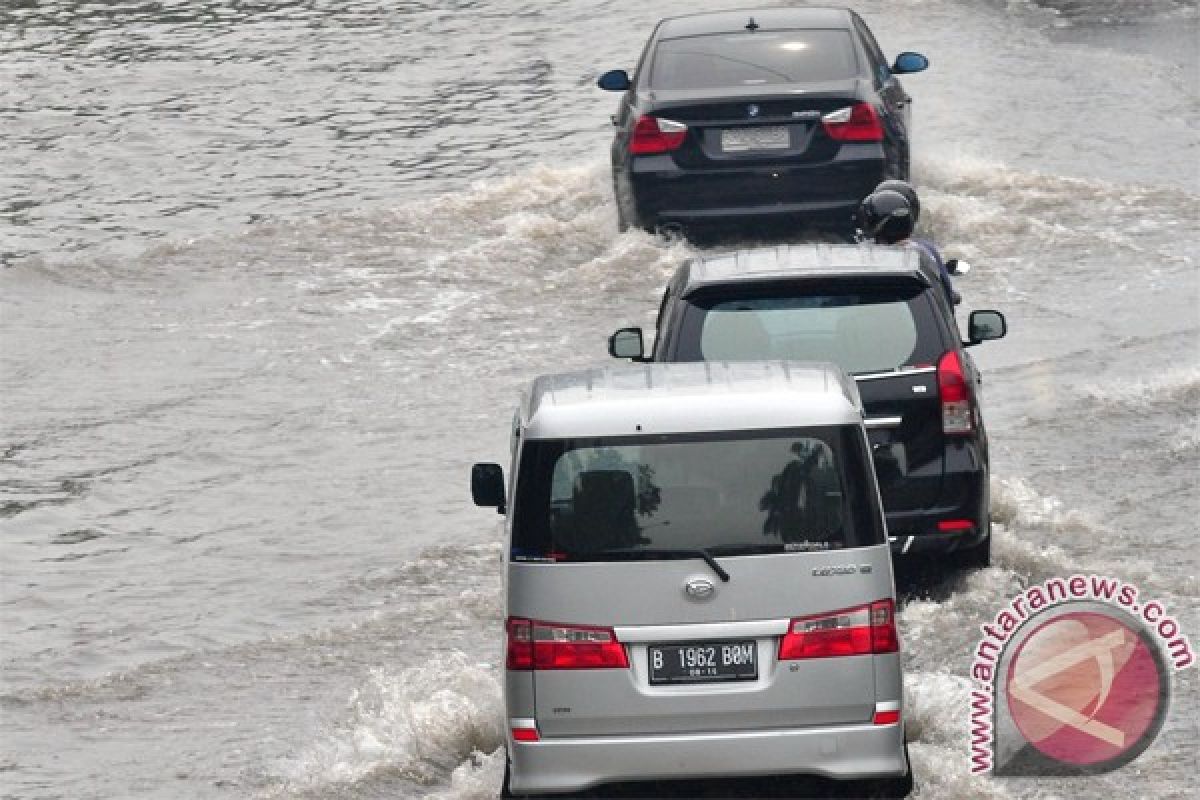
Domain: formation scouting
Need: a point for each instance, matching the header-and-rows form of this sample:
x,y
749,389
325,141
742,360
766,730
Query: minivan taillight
x,y
549,645
850,632
656,135
856,123
955,395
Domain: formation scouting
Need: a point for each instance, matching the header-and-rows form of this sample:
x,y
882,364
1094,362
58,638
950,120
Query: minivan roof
x,y
765,18
804,261
709,396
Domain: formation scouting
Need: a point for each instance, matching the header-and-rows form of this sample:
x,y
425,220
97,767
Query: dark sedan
x,y
742,114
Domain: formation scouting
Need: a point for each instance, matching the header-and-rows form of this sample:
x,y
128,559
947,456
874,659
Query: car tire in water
x,y
505,792
977,556
900,786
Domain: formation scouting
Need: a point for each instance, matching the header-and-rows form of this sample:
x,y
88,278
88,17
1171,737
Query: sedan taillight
x,y
550,645
856,123
656,135
851,632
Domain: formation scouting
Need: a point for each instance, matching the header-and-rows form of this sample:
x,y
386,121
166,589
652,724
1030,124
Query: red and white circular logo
x,y
1087,689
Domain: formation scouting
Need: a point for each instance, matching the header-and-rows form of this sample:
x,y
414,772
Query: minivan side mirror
x,y
890,461
958,266
615,80
908,62
984,325
627,343
487,486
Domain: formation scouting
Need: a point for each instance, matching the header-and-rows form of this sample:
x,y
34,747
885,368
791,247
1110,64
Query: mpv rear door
x,y
885,333
629,632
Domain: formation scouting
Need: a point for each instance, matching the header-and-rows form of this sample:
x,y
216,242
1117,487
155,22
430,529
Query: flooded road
x,y
273,275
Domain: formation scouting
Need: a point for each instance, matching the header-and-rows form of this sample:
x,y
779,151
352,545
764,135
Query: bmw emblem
x,y
752,110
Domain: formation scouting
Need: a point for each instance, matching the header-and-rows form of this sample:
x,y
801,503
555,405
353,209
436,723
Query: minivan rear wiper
x,y
650,552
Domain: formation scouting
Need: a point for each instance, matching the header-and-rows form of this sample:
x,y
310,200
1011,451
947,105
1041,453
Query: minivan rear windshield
x,y
861,330
718,61
734,493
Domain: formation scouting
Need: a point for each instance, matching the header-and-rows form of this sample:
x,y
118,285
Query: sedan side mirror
x,y
627,343
487,486
910,62
984,325
615,80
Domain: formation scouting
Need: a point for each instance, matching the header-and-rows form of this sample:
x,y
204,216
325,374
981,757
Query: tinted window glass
x,y
752,59
860,331
744,492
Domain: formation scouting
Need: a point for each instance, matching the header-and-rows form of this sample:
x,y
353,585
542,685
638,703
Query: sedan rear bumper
x,y
662,192
577,763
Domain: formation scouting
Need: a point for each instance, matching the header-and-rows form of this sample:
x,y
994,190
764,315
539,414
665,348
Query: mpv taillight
x,y
850,632
955,395
856,123
656,135
550,645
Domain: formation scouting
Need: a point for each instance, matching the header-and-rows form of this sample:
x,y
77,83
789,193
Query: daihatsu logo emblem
x,y
700,588
752,110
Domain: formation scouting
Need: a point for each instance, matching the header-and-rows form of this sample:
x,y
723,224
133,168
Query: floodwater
x,y
275,271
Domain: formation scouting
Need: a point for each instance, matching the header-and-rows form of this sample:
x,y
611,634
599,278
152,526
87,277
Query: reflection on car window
x,y
751,59
860,333
748,493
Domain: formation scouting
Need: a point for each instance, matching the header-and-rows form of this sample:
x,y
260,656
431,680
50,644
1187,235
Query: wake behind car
x,y
878,314
697,581
740,114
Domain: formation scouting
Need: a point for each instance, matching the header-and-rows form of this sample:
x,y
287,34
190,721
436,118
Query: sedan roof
x,y
766,18
804,261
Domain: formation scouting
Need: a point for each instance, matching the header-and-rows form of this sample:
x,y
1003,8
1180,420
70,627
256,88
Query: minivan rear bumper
x,y
577,763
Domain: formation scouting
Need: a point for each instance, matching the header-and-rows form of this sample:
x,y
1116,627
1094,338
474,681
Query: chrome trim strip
x,y
634,634
873,423
907,544
896,373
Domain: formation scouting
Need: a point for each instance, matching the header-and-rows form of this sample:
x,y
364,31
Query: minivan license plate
x,y
703,662
739,140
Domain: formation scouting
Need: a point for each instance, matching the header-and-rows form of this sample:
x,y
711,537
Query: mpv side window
x,y
861,330
806,489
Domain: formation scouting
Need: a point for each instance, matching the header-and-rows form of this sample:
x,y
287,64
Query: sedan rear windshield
x,y
718,61
729,493
860,330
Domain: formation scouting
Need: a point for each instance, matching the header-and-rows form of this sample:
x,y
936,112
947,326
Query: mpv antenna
x,y
752,25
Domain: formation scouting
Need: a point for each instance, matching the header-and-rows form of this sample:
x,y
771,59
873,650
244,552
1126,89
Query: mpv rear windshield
x,y
861,330
718,61
730,493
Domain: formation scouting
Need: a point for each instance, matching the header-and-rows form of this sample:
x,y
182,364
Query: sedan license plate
x,y
739,140
703,662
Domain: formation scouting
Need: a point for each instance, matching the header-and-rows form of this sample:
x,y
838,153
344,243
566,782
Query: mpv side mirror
x,y
958,266
627,343
615,80
984,325
890,462
910,62
487,486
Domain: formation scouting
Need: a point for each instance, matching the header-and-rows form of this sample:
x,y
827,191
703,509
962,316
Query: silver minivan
x,y
698,580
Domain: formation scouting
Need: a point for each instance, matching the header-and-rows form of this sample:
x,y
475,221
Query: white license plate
x,y
739,140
